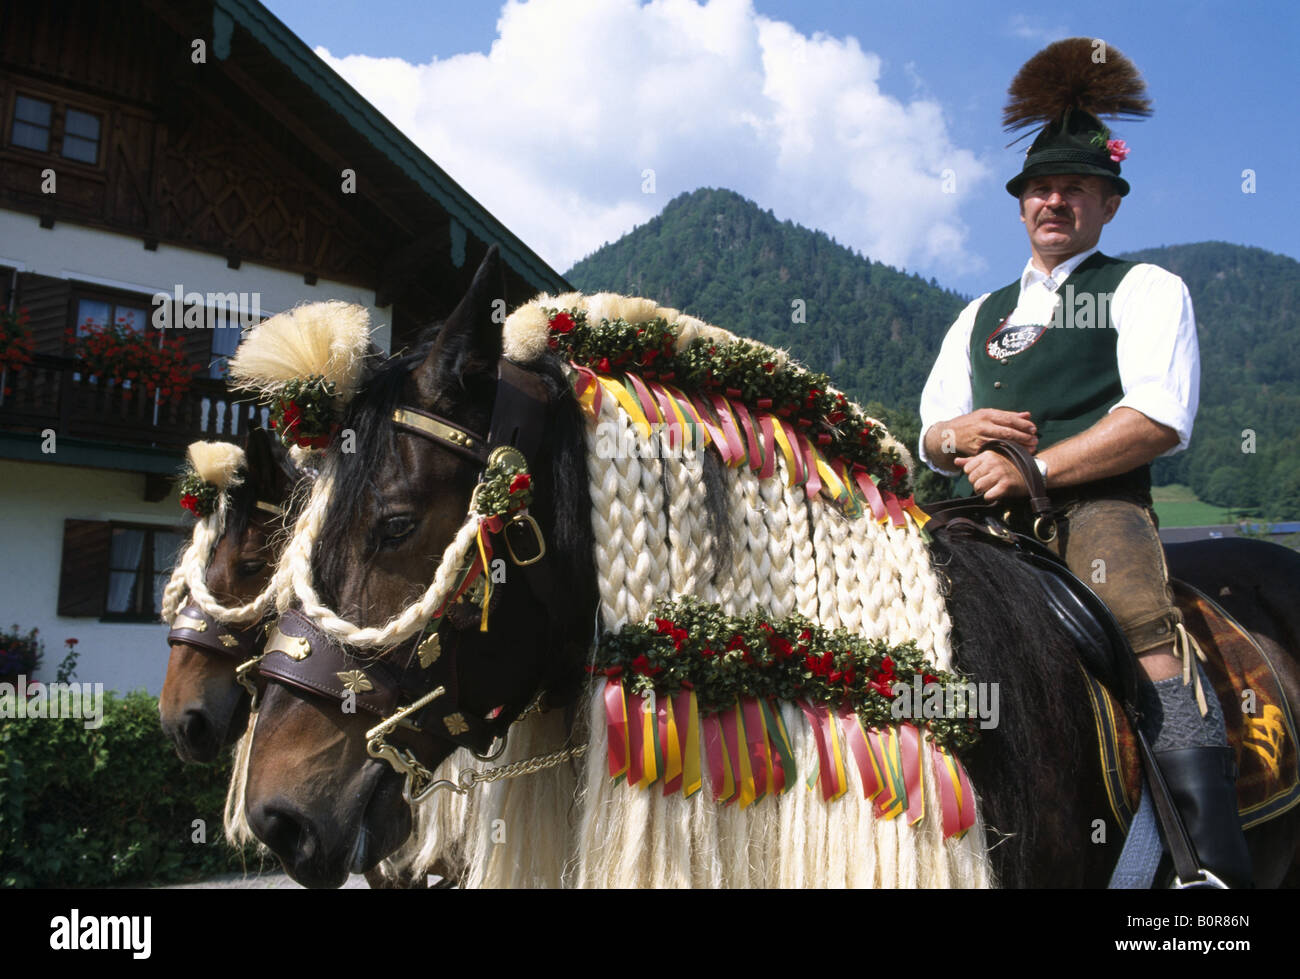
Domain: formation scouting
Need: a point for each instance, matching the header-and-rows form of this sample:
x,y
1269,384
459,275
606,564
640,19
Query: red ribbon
x,y
825,763
909,739
713,427
751,439
675,436
731,741
895,511
857,742
682,718
636,738
869,490
949,811
756,739
616,727
647,402
711,728
729,428
814,484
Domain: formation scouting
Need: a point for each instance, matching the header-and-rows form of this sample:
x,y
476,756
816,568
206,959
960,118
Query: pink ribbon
x,y
769,447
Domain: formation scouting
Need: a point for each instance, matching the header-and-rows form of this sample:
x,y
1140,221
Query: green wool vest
x,y
1064,373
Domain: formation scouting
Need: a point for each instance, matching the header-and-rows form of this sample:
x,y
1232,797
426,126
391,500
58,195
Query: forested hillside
x,y
876,330
1247,305
719,256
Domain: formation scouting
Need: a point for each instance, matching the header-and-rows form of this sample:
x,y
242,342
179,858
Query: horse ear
x,y
269,466
469,344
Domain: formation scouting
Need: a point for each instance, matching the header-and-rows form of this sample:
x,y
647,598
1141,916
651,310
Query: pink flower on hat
x,y
1118,149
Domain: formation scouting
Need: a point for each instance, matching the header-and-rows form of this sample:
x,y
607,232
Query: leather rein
x,y
421,671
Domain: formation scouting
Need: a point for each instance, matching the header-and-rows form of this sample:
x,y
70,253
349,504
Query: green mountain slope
x,y
716,255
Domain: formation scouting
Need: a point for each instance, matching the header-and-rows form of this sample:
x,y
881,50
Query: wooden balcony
x,y
56,393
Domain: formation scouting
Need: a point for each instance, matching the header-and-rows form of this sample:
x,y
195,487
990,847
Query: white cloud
x,y
554,127
1033,30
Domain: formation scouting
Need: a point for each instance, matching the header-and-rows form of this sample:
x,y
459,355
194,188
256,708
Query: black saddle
x,y
1103,648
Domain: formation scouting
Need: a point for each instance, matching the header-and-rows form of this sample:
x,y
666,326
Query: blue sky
x,y
838,115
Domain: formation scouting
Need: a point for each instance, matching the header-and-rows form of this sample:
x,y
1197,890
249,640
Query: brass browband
x,y
456,438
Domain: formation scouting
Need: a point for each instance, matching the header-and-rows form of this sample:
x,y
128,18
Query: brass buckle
x,y
1051,529
539,544
243,678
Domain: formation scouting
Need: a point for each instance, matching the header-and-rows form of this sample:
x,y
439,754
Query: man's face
x,y
1064,214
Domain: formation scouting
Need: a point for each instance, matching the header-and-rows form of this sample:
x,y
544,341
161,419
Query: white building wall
x,y
35,499
68,251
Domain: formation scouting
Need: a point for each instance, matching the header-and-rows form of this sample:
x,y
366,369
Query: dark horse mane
x,y
1004,634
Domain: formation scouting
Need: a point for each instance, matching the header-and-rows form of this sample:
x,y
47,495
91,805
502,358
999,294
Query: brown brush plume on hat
x,y
1066,89
1064,76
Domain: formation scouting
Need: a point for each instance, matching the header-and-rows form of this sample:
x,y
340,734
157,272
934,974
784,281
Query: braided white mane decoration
x,y
789,554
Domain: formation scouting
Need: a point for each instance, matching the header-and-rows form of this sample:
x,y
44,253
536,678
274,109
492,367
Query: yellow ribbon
x,y
649,770
628,403
747,790
672,750
786,451
487,579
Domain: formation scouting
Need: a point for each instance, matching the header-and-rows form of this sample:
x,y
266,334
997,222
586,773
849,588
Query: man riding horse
x,y
1091,364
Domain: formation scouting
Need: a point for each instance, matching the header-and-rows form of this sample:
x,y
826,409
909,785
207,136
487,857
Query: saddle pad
x,y
1261,728
1264,742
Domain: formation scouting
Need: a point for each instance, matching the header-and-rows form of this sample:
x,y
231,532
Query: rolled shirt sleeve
x,y
947,392
1159,357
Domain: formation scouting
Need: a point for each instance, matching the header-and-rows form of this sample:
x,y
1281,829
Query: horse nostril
x,y
195,736
289,838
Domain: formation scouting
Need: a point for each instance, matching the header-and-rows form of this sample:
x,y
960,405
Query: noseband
x,y
421,671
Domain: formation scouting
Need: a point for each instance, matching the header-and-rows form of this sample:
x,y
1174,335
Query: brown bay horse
x,y
203,709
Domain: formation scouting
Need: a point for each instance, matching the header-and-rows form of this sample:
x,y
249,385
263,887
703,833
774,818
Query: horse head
x,y
202,707
374,646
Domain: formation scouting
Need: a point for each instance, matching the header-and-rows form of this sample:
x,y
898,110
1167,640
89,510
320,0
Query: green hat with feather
x,y
1066,88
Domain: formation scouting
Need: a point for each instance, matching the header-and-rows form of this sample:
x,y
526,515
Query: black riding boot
x,y
1202,783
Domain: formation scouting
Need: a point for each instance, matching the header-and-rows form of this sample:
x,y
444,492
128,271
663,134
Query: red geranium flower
x,y
642,665
190,502
521,482
562,323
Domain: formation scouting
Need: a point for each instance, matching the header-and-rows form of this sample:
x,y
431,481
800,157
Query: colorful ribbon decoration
x,y
748,754
745,436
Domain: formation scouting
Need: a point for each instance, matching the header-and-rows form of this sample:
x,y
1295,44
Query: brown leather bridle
x,y
421,672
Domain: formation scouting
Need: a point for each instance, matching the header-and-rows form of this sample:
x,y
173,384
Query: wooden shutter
x,y
47,300
83,575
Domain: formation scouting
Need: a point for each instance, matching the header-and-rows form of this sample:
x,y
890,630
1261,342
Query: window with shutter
x,y
115,571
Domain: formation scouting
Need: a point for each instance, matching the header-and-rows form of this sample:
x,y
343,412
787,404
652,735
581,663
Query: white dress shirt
x,y
1159,358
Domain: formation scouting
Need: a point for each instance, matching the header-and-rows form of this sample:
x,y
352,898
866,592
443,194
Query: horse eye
x,y
247,569
393,529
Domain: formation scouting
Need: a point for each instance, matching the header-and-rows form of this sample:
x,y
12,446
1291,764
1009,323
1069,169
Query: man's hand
x,y
965,435
993,475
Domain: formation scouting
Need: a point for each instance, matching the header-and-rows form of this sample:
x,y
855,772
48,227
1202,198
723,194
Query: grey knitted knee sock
x,y
1180,722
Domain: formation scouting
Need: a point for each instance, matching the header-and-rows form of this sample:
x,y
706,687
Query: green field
x,y
1177,506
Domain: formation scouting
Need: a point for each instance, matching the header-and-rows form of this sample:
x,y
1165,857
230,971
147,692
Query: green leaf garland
x,y
739,369
694,645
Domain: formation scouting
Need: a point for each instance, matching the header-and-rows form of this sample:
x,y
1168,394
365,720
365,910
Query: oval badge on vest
x,y
1007,340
